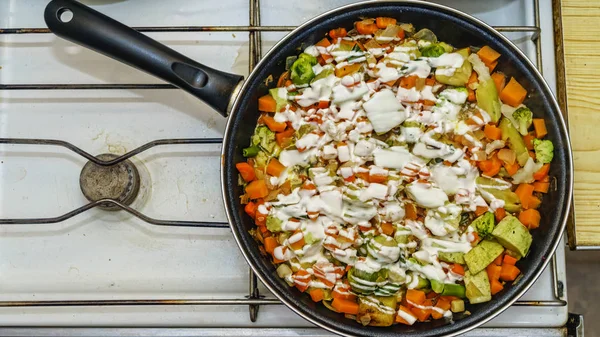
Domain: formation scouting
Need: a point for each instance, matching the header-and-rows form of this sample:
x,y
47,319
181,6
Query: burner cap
x,y
120,182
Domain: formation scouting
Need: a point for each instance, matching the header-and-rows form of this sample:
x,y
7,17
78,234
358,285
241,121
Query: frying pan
x,y
237,99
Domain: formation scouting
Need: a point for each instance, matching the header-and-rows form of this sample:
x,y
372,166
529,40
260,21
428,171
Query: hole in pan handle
x,y
82,25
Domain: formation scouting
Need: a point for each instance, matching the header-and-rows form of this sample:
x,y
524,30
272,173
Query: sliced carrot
x,y
499,214
513,93
541,187
524,192
284,139
499,81
539,125
273,125
479,210
275,168
383,22
250,209
267,103
338,33
345,306
399,318
493,271
410,211
496,286
512,169
488,55
528,139
366,27
257,189
458,269
317,294
509,272
408,82
415,296
270,244
509,260
471,95
542,172
530,218
387,228
492,132
246,171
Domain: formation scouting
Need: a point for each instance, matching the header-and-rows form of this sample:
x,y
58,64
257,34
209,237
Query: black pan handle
x,y
80,24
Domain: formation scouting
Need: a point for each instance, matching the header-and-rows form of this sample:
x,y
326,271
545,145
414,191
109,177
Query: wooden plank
x,y
581,45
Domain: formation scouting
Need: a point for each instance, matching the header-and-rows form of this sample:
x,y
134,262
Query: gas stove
x,y
144,242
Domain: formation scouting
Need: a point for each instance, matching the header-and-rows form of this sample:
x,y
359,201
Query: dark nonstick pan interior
x,y
460,31
98,32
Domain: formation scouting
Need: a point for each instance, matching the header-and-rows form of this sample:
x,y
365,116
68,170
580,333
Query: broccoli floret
x,y
524,118
301,70
264,138
544,150
434,50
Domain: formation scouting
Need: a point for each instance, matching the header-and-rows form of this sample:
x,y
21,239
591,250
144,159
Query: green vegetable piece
x,y
389,289
482,255
433,50
309,239
457,306
304,130
452,289
274,223
381,242
499,191
437,286
515,140
454,257
280,98
376,310
261,159
325,72
513,235
251,151
487,99
363,282
461,75
477,287
523,117
423,282
289,61
301,71
544,150
484,224
264,138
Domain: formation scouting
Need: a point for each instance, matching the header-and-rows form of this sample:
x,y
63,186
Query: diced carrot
x,y
507,155
493,271
512,169
530,218
539,125
400,34
542,172
472,78
338,33
250,209
479,210
427,102
410,211
509,260
532,155
524,192
284,139
347,70
363,175
323,104
270,244
488,55
301,279
449,298
345,306
408,82
261,218
541,187
257,189
421,314
383,22
534,202
282,78
496,286
267,103
317,294
275,168
491,66
387,228
498,260
399,318
323,43
431,295
499,81
430,81
443,304
528,139
273,125
513,93
499,214
415,296
475,239
471,95
458,269
490,167
342,291
246,171
492,132
366,27
298,244
509,272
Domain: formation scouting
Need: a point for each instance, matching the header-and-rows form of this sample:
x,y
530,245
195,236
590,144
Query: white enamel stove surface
x,y
104,255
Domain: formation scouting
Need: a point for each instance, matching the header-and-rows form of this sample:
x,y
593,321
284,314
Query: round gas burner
x,y
120,182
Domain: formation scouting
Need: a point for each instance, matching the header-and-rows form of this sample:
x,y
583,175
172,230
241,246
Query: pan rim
x,y
436,7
